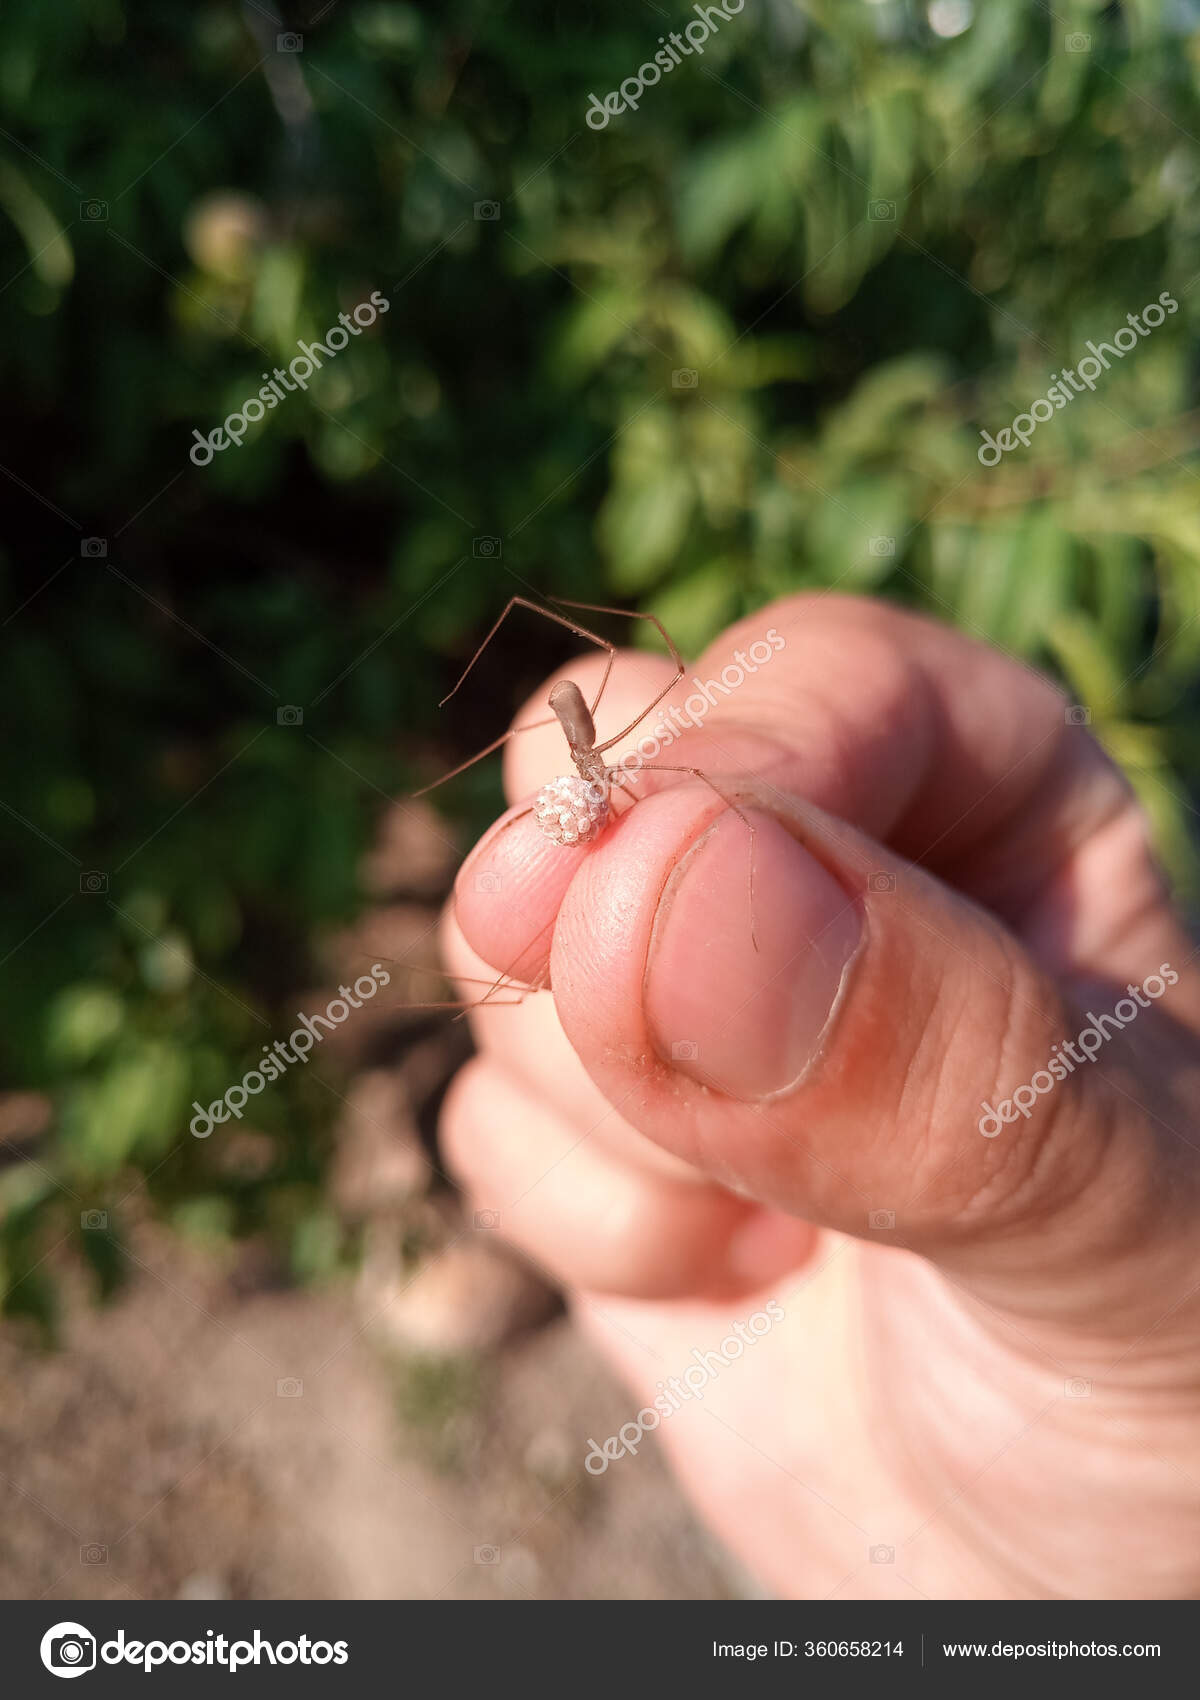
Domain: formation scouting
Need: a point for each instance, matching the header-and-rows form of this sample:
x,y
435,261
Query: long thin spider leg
x,y
632,614
507,981
513,985
529,726
627,802
499,985
662,767
608,667
549,614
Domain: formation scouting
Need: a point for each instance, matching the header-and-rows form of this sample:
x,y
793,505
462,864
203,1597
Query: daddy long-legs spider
x,y
574,809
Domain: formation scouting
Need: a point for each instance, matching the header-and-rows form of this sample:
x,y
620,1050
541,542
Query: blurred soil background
x,y
416,1431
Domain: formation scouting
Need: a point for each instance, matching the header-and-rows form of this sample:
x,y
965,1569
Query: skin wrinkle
x,y
1079,1100
906,1454
1006,1064
1045,1202
1087,1100
998,937
1079,826
887,789
1115,813
1008,1071
987,1336
928,1098
934,1479
1012,804
815,845
944,1051
1069,1251
919,696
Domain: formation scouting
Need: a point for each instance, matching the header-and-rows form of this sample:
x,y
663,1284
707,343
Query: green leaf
x,y
695,608
81,1022
642,527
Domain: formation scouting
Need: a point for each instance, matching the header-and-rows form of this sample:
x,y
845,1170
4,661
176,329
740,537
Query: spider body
x,y
574,808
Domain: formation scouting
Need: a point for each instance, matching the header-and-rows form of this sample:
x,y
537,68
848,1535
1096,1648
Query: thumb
x,y
874,1054
949,882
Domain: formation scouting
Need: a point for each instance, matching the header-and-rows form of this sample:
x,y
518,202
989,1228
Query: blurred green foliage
x,y
739,342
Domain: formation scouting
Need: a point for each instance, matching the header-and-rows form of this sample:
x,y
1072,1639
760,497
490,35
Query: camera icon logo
x,y
684,1050
487,1555
484,1219
94,212
685,378
881,882
881,546
881,1219
1077,715
883,1555
1078,1388
91,1220
487,212
289,1388
68,1649
93,883
289,715
1079,43
94,548
881,210
93,1554
487,880
486,548
288,42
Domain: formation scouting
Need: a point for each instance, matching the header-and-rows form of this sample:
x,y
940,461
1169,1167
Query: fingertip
x,y
767,1246
508,892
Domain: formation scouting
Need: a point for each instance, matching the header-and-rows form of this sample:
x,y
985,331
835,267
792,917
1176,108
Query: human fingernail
x,y
747,1021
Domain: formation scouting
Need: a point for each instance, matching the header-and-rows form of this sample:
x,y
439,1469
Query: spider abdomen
x,y
571,810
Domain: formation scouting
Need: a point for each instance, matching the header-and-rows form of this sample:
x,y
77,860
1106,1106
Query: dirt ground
x,y
417,1431
192,1441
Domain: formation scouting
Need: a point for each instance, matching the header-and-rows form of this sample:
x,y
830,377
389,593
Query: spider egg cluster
x,y
571,810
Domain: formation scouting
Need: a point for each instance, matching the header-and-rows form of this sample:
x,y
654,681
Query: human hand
x,y
989,1360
